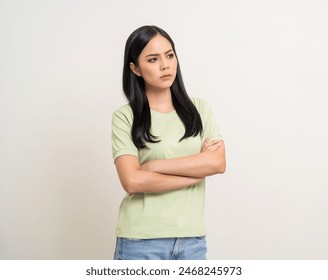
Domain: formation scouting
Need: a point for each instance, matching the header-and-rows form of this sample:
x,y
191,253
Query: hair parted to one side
x,y
134,90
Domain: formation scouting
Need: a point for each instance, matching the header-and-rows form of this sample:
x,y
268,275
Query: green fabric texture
x,y
178,213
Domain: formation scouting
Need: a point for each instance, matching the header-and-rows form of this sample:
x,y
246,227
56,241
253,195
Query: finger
x,y
205,143
214,143
209,144
212,147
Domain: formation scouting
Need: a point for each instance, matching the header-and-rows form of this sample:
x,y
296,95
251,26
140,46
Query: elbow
x,y
128,190
218,162
219,167
130,185
222,169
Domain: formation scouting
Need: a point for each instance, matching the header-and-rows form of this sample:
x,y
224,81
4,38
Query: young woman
x,y
164,145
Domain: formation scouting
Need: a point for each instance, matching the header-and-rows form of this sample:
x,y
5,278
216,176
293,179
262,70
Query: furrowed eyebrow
x,y
157,54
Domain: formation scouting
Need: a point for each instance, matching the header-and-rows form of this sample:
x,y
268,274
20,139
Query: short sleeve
x,y
122,143
210,126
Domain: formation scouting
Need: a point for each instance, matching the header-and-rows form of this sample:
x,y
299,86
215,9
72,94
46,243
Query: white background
x,y
262,65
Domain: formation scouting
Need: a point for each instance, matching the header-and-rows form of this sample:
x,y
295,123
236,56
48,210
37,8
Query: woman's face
x,y
157,64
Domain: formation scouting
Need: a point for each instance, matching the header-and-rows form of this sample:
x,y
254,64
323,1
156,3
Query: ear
x,y
135,69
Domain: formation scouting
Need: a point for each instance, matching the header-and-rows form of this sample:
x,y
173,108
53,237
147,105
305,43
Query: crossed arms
x,y
171,174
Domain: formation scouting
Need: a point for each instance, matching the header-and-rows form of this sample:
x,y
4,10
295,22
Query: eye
x,y
152,60
171,55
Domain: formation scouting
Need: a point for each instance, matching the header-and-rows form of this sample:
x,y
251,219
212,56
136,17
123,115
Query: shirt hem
x,y
160,234
124,152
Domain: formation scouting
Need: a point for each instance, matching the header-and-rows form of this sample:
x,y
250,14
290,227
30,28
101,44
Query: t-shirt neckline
x,y
162,114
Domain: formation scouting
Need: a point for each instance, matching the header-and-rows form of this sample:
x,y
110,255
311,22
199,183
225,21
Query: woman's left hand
x,y
210,145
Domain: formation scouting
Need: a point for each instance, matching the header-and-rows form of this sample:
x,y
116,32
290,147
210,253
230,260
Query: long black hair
x,y
134,90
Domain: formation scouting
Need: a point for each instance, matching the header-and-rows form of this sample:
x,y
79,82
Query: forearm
x,y
151,182
198,165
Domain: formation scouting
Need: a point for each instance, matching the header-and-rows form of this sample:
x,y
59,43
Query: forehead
x,y
156,45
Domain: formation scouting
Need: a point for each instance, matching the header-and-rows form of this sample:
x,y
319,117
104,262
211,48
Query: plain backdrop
x,y
263,67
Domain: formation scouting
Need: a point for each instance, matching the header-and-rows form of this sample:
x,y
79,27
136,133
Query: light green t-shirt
x,y
178,213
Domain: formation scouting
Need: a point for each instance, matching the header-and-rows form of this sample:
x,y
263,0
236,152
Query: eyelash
x,y
170,56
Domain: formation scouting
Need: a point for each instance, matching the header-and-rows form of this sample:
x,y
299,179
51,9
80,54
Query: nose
x,y
164,65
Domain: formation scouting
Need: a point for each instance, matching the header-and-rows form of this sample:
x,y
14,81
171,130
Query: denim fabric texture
x,y
185,248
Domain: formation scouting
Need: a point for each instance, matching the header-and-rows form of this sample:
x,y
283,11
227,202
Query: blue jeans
x,y
185,248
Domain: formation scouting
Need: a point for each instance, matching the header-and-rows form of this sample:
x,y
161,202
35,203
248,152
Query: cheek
x,y
147,76
175,65
148,73
175,68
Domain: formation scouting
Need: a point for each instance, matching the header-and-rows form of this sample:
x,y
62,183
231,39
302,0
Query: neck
x,y
160,101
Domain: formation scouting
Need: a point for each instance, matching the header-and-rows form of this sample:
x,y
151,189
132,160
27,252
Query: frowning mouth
x,y
166,76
